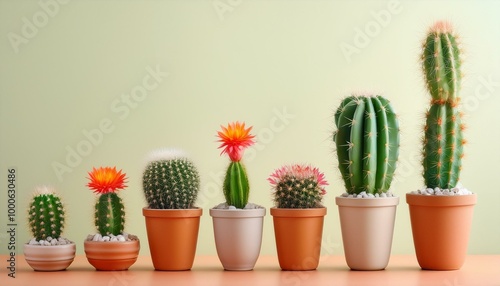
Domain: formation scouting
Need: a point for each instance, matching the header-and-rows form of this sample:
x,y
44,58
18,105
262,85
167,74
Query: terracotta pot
x,y
172,237
111,255
367,227
298,234
238,236
49,258
441,227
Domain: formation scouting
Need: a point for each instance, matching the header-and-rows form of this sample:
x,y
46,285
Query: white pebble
x,y
114,238
438,193
106,238
232,207
359,196
53,241
383,195
121,238
33,241
371,196
46,243
97,237
49,238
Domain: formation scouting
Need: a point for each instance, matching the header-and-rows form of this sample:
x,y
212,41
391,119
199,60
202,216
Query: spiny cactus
x,y
109,215
443,140
170,180
236,187
234,139
367,141
298,186
46,214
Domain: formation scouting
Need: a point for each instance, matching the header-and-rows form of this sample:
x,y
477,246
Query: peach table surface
x,y
403,270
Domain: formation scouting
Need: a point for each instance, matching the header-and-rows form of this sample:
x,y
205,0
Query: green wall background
x,y
69,68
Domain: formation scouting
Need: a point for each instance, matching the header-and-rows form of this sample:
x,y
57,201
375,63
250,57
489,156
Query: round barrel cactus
x,y
46,214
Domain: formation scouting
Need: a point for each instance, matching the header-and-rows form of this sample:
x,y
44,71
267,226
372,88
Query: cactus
x,y
443,140
109,215
367,141
298,186
234,139
170,181
46,214
236,187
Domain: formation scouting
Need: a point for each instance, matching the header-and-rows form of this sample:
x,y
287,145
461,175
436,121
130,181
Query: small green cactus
x,y
236,187
46,215
298,186
443,140
367,141
109,215
170,180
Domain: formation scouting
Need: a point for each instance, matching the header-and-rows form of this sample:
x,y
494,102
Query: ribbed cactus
x,y
46,214
298,186
367,141
234,139
443,140
170,181
109,214
236,187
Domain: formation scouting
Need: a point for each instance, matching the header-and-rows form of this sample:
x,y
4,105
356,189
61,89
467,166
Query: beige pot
x,y
111,255
49,258
238,236
367,227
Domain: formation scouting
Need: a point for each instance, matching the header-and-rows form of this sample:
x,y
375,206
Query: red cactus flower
x,y
106,180
235,138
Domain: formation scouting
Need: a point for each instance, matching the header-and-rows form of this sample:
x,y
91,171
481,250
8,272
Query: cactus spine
x,y
298,186
46,214
367,141
236,188
170,181
109,214
443,140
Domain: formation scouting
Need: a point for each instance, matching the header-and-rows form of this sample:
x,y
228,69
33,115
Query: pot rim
x,y
440,201
367,202
238,213
172,213
69,245
289,212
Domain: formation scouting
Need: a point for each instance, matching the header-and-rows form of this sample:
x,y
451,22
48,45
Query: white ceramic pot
x,y
238,236
49,258
367,226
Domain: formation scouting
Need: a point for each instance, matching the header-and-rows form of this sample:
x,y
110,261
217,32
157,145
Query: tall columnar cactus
x,y
443,140
170,180
298,186
109,214
46,215
234,139
367,141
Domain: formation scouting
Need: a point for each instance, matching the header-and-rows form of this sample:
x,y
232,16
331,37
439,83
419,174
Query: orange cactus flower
x,y
106,180
234,139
